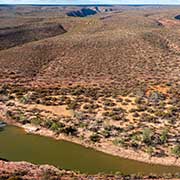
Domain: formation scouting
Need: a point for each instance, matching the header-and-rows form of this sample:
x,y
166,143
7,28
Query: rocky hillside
x,y
15,36
114,50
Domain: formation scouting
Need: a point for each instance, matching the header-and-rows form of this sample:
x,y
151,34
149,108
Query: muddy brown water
x,y
16,145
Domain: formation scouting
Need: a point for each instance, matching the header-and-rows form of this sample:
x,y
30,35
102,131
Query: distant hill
x,y
177,17
82,12
10,37
88,11
120,48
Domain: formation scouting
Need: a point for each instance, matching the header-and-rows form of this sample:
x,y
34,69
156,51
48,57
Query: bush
x,y
69,130
106,134
95,138
48,123
116,117
72,105
150,150
36,121
147,136
109,102
24,99
156,96
138,100
176,151
164,136
119,142
22,119
54,127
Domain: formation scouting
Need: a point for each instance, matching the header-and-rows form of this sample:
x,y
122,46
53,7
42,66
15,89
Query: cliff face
x,y
83,12
177,17
88,11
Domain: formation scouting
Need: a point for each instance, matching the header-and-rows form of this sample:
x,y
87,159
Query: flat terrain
x,y
109,80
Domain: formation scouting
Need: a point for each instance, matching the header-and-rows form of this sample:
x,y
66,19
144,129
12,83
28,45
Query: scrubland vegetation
x,y
147,123
108,79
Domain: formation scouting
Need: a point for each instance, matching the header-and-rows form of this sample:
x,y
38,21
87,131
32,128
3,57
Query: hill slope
x,y
19,35
111,50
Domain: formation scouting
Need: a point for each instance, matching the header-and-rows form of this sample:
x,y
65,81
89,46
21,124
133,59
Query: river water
x,y
16,145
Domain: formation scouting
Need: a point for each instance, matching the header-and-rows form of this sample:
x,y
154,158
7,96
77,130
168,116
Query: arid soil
x,y
110,80
123,51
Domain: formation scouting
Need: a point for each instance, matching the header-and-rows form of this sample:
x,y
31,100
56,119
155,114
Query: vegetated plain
x,y
109,81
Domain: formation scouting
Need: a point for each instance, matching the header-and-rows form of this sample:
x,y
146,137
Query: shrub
x,y
36,121
147,136
164,136
95,138
176,151
156,96
150,150
141,108
106,134
22,119
119,100
24,99
116,117
109,102
78,91
120,142
54,127
69,130
73,105
136,114
48,123
138,100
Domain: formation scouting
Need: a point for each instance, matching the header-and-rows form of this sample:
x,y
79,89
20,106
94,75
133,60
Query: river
x,y
16,145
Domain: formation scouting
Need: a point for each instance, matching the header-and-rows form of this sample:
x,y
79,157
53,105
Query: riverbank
x,y
28,171
106,147
119,126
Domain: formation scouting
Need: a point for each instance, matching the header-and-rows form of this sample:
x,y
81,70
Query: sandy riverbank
x,y
106,147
